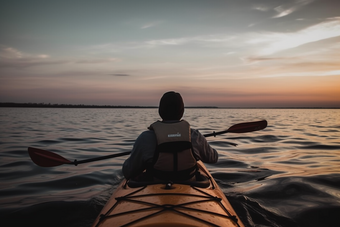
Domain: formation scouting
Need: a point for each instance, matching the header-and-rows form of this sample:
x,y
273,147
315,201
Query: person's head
x,y
171,106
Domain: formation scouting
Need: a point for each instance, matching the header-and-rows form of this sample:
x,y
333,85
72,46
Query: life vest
x,y
174,158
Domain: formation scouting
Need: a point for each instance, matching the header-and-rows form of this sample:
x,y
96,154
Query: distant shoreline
x,y
49,105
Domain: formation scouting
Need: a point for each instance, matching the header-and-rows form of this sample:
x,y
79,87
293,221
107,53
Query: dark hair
x,y
171,106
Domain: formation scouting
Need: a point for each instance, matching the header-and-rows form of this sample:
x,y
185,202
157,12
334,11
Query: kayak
x,y
182,204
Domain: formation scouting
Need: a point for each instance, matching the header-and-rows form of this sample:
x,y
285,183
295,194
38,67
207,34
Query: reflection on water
x,y
285,175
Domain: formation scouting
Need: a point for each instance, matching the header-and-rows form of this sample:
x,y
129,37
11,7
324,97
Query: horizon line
x,y
49,105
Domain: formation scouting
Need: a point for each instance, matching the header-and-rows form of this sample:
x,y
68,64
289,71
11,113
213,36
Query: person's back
x,y
170,149
174,159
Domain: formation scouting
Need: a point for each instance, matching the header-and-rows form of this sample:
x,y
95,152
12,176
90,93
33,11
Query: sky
x,y
225,53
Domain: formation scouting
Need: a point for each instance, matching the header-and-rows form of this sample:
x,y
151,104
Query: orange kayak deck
x,y
177,204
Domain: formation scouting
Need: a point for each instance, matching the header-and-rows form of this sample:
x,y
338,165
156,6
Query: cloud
x,y
219,40
253,59
274,42
27,62
268,42
261,8
199,40
151,24
120,74
9,53
13,58
96,61
167,42
229,53
12,53
284,10
303,74
251,44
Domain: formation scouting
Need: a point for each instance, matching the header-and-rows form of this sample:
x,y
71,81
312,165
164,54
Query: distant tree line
x,y
49,105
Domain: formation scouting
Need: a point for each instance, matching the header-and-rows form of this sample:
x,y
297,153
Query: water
x,y
285,175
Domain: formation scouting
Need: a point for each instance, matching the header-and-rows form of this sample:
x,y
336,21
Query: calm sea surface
x,y
285,175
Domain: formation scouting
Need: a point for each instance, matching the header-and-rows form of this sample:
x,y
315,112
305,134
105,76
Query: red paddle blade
x,y
248,127
46,158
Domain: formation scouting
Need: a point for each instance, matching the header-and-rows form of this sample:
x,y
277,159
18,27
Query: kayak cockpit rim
x,y
201,181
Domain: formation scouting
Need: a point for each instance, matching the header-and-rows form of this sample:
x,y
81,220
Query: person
x,y
169,150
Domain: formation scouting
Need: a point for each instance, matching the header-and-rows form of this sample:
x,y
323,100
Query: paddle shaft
x,y
100,158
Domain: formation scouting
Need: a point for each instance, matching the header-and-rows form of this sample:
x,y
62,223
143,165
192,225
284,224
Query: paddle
x,y
242,128
48,159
